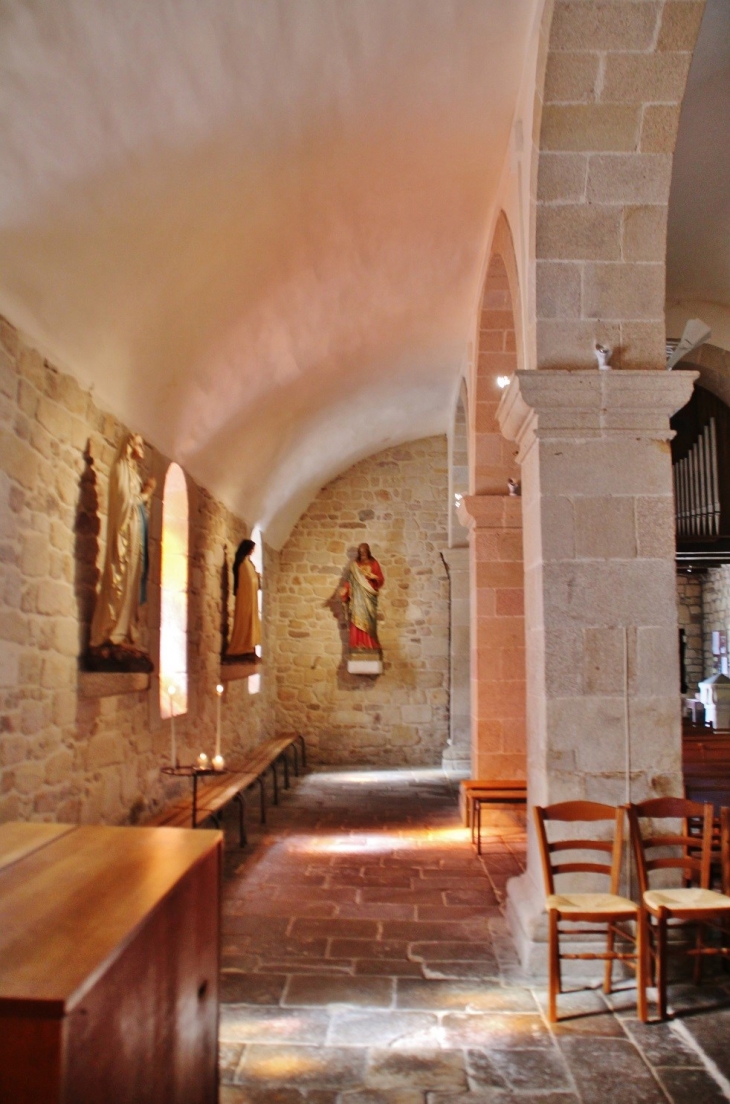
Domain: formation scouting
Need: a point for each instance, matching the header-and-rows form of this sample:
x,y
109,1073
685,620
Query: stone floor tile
x,y
462,996
504,1096
606,1069
474,930
660,1044
690,1086
502,1031
366,992
364,948
334,966
247,988
381,910
523,1070
712,1033
456,951
342,928
416,1069
229,1059
384,1029
474,895
456,912
253,1024
305,1067
380,1096
387,967
487,970
239,1094
584,1012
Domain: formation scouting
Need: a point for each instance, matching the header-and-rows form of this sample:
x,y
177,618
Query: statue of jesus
x,y
360,597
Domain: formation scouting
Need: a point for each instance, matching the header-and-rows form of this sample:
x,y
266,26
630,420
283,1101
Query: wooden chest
x,y
109,955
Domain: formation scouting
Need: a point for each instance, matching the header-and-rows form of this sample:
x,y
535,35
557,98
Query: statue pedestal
x,y
364,664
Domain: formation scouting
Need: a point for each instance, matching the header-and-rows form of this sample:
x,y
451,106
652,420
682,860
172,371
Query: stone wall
x,y
65,755
715,612
397,501
689,612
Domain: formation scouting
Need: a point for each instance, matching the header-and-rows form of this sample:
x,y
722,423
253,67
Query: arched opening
x,y
174,595
495,521
257,559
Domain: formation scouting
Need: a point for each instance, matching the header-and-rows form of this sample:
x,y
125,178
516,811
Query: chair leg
x,y
554,984
642,951
661,963
699,944
608,971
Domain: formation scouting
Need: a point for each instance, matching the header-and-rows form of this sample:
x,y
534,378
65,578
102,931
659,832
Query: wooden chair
x,y
608,909
689,903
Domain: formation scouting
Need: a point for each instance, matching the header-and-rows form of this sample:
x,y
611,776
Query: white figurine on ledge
x,y
603,355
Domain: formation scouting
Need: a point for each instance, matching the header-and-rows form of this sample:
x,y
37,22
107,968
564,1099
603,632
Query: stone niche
x,y
397,501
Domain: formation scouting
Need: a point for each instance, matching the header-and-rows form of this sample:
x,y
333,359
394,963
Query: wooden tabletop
x,y
18,839
70,907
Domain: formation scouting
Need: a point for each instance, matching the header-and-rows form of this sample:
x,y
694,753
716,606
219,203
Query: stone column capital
x,y
560,403
490,512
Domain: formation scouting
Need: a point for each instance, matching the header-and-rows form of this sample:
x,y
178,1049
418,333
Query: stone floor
x,y
366,961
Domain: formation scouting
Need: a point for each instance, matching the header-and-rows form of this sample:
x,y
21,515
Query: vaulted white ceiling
x,y
255,226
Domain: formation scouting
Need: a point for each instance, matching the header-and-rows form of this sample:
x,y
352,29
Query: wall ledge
x,y
232,671
108,684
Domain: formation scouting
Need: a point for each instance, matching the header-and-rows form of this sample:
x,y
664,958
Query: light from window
x,y
174,600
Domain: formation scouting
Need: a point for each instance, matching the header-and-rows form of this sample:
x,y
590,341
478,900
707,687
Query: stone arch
x,y
494,519
607,120
492,457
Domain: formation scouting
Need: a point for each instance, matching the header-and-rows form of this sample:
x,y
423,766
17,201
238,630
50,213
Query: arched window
x,y
174,603
257,559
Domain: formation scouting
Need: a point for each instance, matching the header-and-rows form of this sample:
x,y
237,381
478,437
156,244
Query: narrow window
x,y
174,603
257,559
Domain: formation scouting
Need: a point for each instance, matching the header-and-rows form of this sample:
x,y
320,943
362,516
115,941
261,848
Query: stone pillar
x,y
457,754
497,635
603,700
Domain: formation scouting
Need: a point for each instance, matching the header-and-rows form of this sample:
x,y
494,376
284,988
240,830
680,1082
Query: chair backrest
x,y
725,848
579,812
672,850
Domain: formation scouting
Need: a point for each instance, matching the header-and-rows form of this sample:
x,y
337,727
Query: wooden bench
x,y
475,792
215,792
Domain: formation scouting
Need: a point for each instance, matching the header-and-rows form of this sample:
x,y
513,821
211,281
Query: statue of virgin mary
x,y
124,578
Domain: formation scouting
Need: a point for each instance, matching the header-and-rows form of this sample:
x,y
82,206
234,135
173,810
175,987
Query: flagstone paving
x,y
366,961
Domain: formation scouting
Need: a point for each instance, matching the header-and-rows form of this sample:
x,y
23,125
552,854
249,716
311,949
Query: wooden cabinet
x,y
109,955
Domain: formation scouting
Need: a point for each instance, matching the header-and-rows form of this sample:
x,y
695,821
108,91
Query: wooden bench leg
x,y
304,750
295,750
276,783
262,794
286,770
239,798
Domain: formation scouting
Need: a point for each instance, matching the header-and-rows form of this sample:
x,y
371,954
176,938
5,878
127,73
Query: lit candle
x,y
219,692
173,749
218,762
202,761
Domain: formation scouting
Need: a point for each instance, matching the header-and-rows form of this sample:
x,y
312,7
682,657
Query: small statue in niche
x,y
603,355
113,643
513,488
246,632
359,595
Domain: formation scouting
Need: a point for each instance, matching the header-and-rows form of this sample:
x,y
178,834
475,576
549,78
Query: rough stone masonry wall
x,y
397,502
689,611
715,611
65,756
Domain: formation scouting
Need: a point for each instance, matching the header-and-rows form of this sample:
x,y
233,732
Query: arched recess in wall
x,y
498,355
459,468
174,595
607,118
